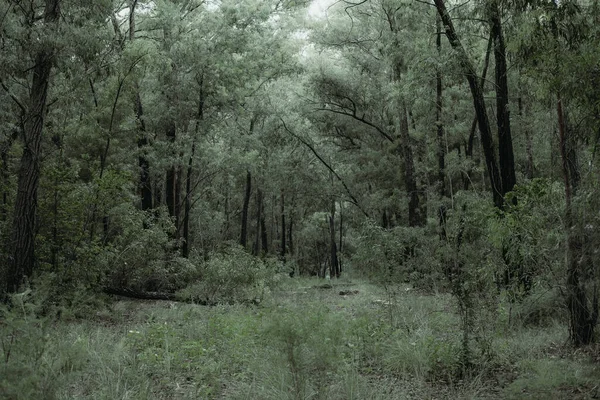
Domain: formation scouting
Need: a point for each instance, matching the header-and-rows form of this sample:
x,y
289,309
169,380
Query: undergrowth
x,y
306,341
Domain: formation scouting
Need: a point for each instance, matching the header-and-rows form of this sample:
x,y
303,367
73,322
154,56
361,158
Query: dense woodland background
x,y
202,151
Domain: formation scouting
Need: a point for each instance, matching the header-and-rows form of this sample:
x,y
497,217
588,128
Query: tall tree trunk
x,y
471,140
145,185
283,235
478,102
22,240
185,248
334,271
583,311
263,230
438,113
505,147
172,185
414,210
245,206
259,206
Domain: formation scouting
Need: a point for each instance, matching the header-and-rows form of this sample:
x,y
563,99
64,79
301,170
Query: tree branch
x,y
339,178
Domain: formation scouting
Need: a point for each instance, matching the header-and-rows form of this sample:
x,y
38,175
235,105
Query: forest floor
x,y
308,340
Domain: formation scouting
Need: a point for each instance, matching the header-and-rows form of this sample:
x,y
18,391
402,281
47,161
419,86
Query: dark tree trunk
x,y
263,230
171,178
22,240
259,206
185,248
414,210
334,271
283,235
583,311
145,185
142,143
506,155
438,113
245,206
478,102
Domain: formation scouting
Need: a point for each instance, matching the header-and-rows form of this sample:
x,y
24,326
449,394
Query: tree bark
x,y
583,312
245,206
22,240
438,113
414,210
283,233
505,147
185,248
478,102
259,200
145,185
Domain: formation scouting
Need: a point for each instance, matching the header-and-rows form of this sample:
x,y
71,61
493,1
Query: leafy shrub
x,y
397,255
232,275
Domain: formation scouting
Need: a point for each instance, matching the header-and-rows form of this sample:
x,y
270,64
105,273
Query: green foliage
x,y
391,256
232,275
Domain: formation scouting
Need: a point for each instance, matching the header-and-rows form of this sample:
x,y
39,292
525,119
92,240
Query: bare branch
x,y
339,178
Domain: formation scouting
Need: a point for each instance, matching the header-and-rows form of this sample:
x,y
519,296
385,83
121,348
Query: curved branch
x,y
363,120
339,178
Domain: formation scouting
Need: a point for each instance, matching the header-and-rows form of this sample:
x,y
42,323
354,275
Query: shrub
x,y
232,275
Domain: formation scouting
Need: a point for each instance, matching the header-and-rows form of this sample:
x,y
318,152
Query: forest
x,y
295,199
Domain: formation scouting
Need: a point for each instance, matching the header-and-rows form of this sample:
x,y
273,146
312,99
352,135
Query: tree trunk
x,y
583,312
259,200
478,102
171,177
283,235
414,210
438,114
185,248
22,241
145,185
263,230
505,147
334,271
245,206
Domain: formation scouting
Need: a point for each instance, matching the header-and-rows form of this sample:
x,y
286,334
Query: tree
x,y
22,262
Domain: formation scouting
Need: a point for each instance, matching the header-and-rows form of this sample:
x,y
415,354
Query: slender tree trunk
x,y
245,206
283,235
471,140
259,206
185,248
505,147
478,102
341,247
414,210
583,312
438,113
263,229
171,174
22,240
334,266
145,185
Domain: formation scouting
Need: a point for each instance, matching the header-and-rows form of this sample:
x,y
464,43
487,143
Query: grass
x,y
304,342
